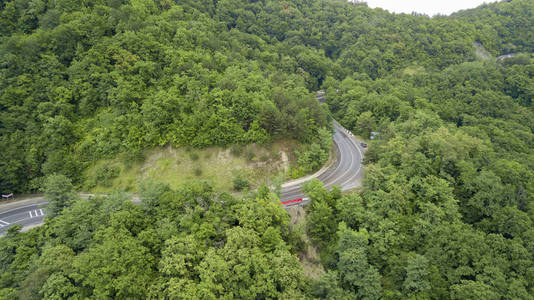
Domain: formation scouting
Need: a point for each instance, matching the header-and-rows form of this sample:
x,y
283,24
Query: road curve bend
x,y
345,172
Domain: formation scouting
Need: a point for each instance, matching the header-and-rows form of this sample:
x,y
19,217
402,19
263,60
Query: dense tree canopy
x,y
203,245
446,209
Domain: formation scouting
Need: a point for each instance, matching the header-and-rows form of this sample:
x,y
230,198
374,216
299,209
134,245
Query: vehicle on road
x,y
344,172
291,201
364,145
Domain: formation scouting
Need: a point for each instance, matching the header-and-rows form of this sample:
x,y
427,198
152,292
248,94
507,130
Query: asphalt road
x,y
25,215
345,172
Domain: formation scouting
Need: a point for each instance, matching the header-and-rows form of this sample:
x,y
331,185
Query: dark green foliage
x,y
151,193
194,244
250,155
240,182
313,156
59,193
446,209
82,82
105,174
193,156
236,150
447,198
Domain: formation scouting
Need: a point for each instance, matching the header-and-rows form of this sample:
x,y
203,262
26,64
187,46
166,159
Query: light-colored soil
x,y
285,160
481,52
175,166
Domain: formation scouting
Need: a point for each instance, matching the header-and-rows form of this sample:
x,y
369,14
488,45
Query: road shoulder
x,y
4,207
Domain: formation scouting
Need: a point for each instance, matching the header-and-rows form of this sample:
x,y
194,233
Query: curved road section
x,y
345,172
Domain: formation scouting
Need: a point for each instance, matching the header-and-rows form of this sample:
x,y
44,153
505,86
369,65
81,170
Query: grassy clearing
x,y
413,70
176,166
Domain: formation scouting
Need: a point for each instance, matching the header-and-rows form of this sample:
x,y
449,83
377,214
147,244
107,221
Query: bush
x,y
265,157
277,156
236,150
130,157
104,175
240,183
250,155
198,171
59,192
193,156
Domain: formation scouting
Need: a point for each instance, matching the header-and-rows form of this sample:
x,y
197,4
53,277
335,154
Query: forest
x,y
446,209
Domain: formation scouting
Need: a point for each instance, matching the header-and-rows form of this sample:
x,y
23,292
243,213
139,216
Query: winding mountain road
x,y
345,172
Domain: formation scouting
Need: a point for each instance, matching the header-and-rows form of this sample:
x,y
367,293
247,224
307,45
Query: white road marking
x,y
36,213
3,224
359,166
17,208
340,166
352,162
335,182
347,164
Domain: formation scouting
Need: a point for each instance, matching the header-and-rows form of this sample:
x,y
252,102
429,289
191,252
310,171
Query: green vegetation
x,y
59,193
446,209
240,182
177,166
203,245
85,82
447,205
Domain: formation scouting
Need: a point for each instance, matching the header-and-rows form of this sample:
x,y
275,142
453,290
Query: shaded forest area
x,y
447,206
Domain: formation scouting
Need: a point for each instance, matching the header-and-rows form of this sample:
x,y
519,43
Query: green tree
x,y
365,124
117,267
59,192
151,193
416,282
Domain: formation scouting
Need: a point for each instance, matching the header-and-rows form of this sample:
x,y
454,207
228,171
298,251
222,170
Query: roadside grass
x,y
176,166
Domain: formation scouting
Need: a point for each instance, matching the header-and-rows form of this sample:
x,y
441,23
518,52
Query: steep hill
x,y
446,210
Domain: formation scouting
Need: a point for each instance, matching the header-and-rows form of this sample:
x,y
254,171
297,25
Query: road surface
x,y
345,172
25,215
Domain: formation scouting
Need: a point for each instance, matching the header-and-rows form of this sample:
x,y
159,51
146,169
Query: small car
x,y
364,145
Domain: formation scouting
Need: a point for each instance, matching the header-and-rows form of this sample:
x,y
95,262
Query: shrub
x,y
105,174
240,183
193,156
236,150
130,157
250,155
264,157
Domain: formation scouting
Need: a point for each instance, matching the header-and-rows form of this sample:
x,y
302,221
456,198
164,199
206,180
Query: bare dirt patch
x,y
309,257
175,166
